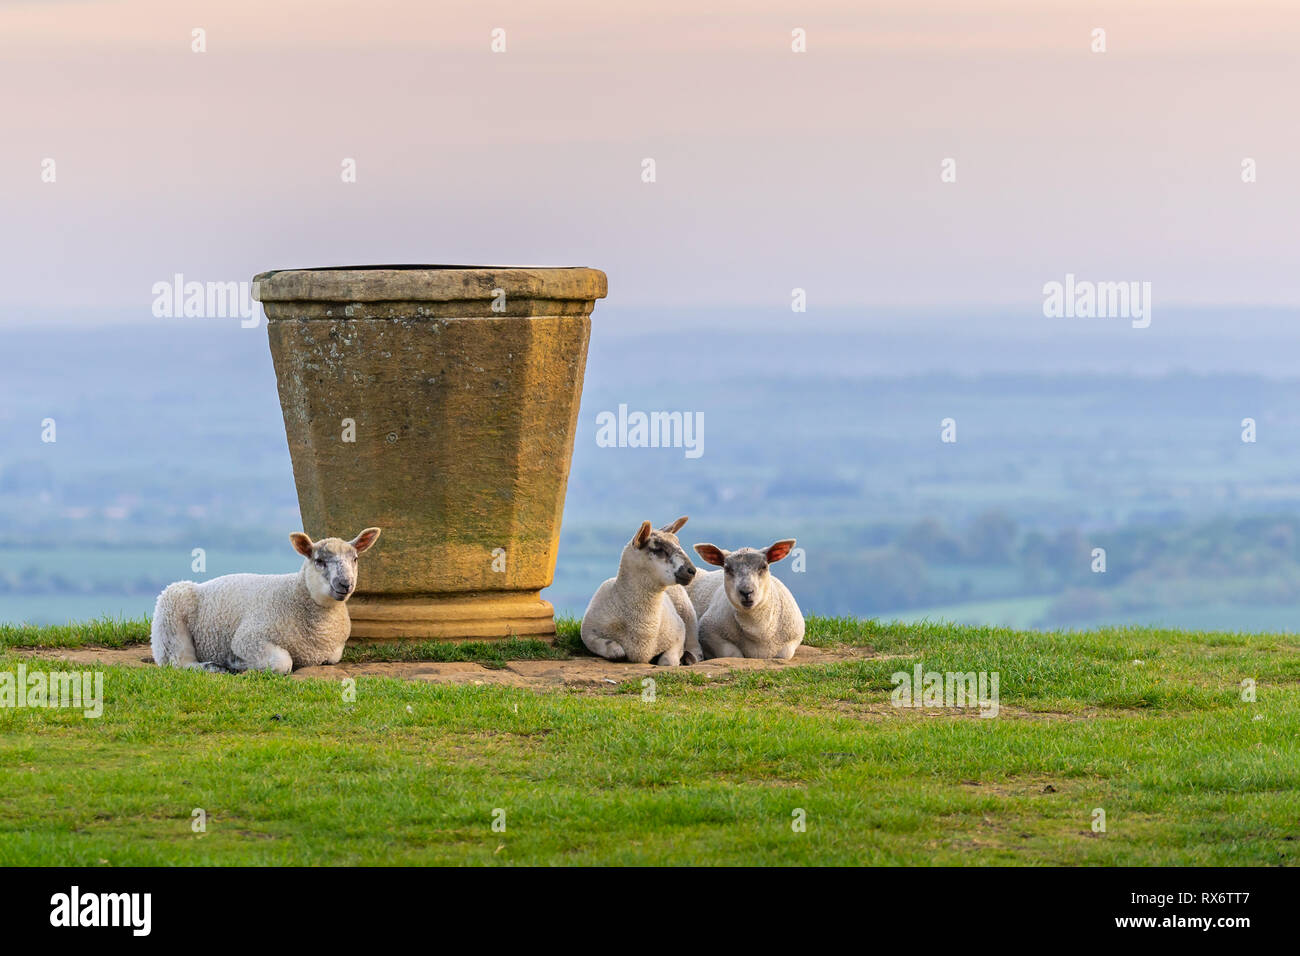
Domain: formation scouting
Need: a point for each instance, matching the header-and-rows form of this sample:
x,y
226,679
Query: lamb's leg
x,y
169,634
673,635
692,653
603,647
669,658
250,650
721,647
212,667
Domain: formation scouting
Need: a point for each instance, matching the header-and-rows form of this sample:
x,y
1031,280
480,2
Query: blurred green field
x,y
58,585
1029,611
1020,612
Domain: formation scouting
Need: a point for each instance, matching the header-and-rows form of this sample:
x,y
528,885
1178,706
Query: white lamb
x,y
643,614
274,622
743,610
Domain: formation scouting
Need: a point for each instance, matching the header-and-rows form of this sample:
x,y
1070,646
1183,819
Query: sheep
x,y
272,622
643,614
743,610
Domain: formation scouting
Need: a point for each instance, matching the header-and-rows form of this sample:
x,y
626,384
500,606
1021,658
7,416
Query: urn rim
x,y
429,283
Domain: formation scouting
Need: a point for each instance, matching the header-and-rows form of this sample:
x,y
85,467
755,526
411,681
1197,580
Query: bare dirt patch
x,y
591,672
1021,786
137,654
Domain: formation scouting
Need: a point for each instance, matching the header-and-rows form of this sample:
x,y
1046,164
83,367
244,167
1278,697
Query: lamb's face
x,y
657,556
746,578
332,570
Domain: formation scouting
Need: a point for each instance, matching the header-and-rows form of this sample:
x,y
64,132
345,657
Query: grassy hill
x,y
1147,725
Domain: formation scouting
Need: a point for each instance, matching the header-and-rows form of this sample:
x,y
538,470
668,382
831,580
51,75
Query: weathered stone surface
x,y
463,420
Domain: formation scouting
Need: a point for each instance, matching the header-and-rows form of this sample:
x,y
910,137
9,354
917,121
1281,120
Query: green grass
x,y
101,632
292,771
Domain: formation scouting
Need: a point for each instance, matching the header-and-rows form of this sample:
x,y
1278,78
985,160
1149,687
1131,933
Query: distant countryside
x,y
167,443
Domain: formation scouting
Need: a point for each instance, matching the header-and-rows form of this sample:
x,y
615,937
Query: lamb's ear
x,y
712,554
301,543
365,539
779,550
676,525
642,536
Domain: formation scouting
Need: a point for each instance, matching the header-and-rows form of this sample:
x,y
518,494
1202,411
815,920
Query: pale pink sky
x,y
775,169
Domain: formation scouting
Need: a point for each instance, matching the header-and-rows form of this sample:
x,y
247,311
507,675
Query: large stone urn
x,y
439,403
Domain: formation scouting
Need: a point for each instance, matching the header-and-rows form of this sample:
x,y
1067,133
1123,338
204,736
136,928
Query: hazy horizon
x,y
829,432
1255,340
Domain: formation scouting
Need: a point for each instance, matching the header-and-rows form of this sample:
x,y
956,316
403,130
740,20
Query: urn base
x,y
483,616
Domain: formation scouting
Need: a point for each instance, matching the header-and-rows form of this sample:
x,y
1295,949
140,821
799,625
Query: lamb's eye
x,y
320,563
